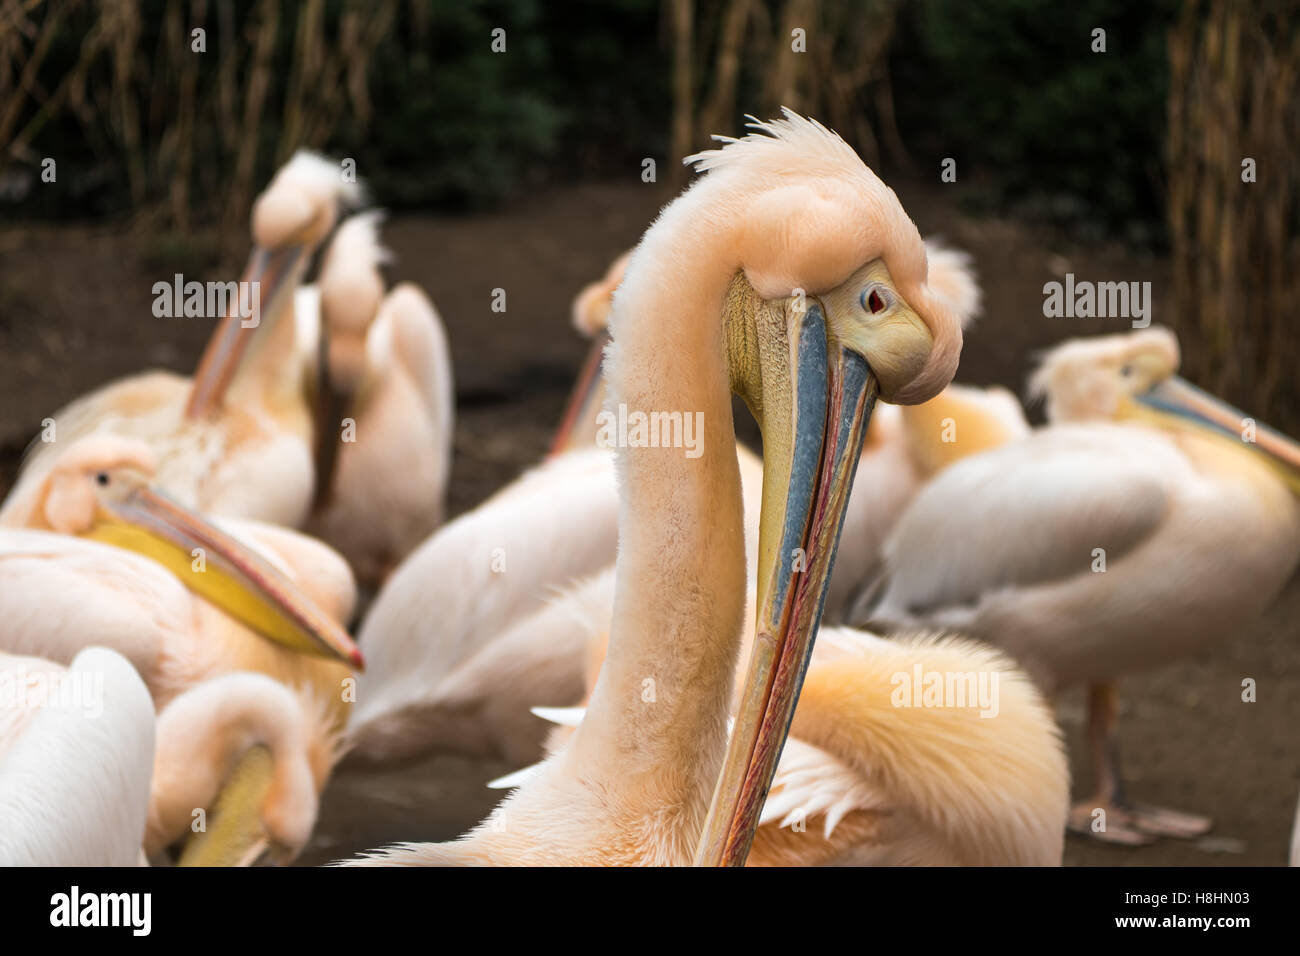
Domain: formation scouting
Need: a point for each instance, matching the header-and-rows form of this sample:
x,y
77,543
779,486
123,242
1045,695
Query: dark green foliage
x,y
580,91
1014,92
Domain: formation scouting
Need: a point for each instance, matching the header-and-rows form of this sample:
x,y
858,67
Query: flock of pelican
x,y
639,629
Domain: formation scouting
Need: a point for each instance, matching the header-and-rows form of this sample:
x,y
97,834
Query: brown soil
x,y
75,312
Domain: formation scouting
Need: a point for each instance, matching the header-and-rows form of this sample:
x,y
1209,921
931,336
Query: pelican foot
x,y
1161,821
1136,825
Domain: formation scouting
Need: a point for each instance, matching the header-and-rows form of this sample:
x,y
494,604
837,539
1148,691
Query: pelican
x,y
236,440
386,406
463,637
467,636
74,791
254,756
444,628
78,745
791,275
190,602
1145,524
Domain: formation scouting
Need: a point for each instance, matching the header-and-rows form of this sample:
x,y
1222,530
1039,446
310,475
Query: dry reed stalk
x,y
682,13
1236,256
719,113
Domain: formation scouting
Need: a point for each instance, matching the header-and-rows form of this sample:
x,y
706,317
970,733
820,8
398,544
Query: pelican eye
x,y
101,478
1126,371
874,300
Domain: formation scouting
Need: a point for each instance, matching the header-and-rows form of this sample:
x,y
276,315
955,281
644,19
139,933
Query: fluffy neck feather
x,y
664,691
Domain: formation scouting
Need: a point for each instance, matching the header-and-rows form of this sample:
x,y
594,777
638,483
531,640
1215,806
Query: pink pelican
x,y
791,275
449,660
74,791
236,440
78,745
502,644
1145,524
385,405
254,755
190,602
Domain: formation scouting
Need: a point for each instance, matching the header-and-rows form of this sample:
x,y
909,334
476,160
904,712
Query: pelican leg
x,y
1108,816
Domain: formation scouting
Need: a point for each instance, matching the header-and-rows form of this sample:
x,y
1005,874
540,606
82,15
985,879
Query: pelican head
x,y
290,219
1132,377
1090,379
950,277
829,308
100,489
250,753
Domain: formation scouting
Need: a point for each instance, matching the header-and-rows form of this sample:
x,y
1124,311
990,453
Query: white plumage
x,y
1095,548
431,636
250,456
74,788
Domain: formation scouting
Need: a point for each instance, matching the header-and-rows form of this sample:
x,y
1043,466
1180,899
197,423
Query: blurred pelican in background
x,y
236,439
385,405
451,663
1146,523
254,755
74,791
228,772
94,554
464,636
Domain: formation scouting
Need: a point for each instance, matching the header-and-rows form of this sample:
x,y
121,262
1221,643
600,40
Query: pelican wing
x,y
410,330
1039,510
61,593
75,771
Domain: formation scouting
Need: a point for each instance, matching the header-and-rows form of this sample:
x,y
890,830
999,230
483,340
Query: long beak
x,y
264,285
233,833
219,569
578,425
815,405
1177,400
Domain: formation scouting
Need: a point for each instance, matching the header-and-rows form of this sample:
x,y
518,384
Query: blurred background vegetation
x,y
1143,143
435,118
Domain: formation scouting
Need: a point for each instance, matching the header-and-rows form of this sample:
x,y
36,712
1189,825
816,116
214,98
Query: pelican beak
x,y
262,293
233,833
578,425
218,568
1177,400
813,400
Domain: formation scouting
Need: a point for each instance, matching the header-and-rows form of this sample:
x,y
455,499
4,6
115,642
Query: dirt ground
x,y
75,312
